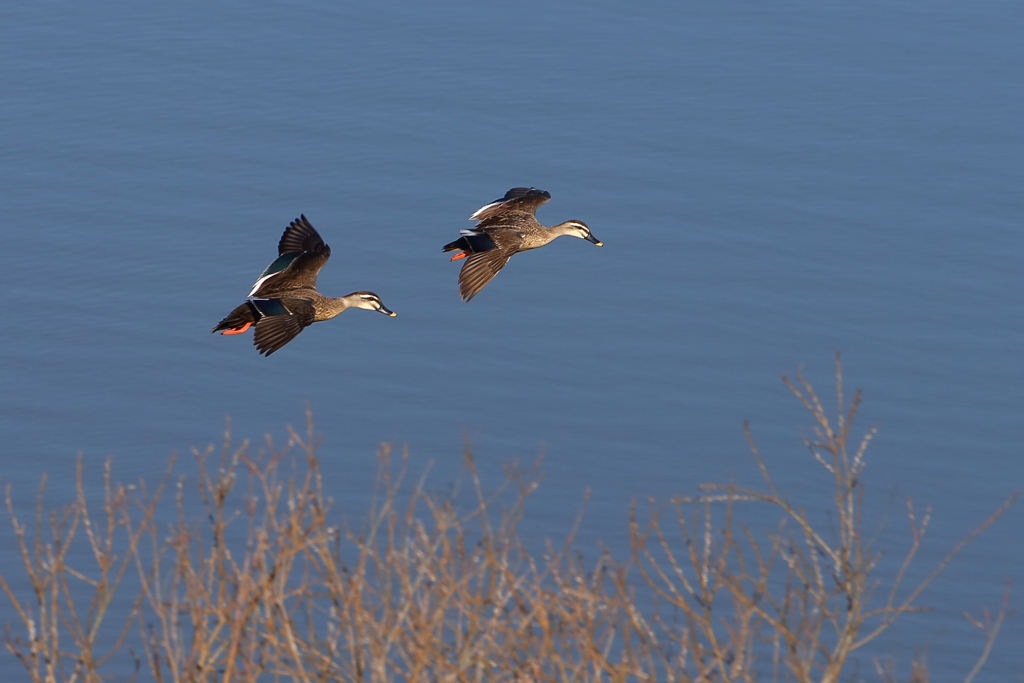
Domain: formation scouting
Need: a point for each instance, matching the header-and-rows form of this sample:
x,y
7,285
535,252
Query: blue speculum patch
x,y
269,307
280,263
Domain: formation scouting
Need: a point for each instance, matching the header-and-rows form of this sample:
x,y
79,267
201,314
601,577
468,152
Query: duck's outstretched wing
x,y
522,199
295,270
281,321
302,255
486,251
479,269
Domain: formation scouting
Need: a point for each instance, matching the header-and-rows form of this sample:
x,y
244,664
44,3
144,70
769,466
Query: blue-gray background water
x,y
773,182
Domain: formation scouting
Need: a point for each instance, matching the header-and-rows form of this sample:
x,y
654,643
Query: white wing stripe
x,y
260,282
482,209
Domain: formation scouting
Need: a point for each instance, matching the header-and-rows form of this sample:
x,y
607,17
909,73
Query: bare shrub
x,y
268,584
813,596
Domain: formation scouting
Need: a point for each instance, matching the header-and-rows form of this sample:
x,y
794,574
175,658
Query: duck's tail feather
x,y
471,242
238,320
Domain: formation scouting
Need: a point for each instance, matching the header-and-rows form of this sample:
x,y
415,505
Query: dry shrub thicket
x,y
270,586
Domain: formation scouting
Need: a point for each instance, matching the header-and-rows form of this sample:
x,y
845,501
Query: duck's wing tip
x,y
300,235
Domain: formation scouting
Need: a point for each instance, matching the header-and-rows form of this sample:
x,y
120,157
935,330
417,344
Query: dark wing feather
x,y
300,273
300,235
274,331
480,268
523,199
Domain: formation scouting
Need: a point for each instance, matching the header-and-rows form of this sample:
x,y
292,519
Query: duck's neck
x,y
561,229
329,307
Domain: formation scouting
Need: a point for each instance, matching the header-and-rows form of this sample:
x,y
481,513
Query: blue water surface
x,y
773,182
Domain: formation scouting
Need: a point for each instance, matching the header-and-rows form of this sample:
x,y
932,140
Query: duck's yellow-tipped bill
x,y
392,314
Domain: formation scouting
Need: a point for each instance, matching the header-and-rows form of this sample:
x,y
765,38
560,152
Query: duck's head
x,y
369,301
579,229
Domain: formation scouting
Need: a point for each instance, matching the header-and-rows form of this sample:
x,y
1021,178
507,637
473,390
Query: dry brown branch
x,y
246,574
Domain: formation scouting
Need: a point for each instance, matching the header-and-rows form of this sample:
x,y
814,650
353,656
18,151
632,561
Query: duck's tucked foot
x,y
461,254
238,330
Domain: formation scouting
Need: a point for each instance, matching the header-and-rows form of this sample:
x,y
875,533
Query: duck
x,y
506,227
284,301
